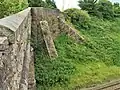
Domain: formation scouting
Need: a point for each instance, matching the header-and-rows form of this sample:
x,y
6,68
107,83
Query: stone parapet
x,y
15,51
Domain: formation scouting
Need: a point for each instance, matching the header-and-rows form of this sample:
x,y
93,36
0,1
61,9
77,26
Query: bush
x,y
77,17
40,3
8,7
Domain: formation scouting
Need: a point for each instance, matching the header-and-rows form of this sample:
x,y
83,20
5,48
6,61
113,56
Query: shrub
x,y
41,3
8,7
77,17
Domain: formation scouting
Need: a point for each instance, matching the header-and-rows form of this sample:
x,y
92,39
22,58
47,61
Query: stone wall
x,y
39,26
49,15
56,22
56,25
15,51
40,39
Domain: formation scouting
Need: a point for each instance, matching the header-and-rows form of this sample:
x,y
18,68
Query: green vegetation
x,y
36,3
88,5
77,17
41,3
83,65
93,62
8,7
117,9
100,8
49,73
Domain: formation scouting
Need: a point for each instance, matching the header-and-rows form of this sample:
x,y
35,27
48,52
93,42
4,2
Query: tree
x,y
50,4
105,7
41,3
99,8
36,3
116,9
88,5
116,5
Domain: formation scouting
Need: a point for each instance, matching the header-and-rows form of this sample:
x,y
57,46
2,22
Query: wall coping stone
x,y
9,25
14,21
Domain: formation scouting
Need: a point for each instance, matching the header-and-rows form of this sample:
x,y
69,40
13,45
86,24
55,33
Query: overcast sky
x,y
71,3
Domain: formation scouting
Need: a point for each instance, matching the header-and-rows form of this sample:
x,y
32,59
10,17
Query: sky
x,y
71,3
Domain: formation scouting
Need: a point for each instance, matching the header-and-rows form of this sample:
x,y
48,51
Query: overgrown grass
x,y
82,65
50,73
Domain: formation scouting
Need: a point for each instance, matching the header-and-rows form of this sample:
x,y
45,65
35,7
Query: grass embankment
x,y
82,65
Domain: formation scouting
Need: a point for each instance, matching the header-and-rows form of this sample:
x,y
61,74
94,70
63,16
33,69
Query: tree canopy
x,y
41,3
100,8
